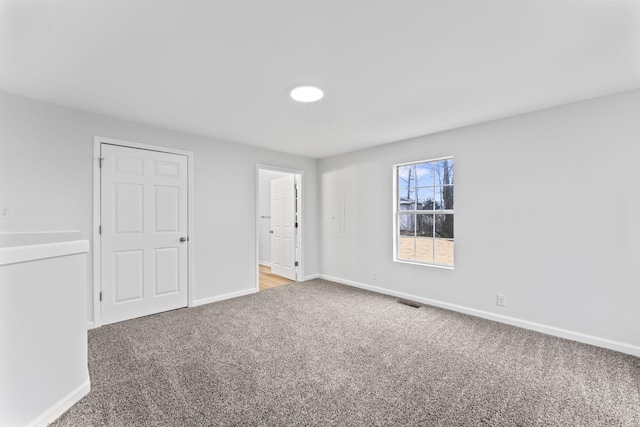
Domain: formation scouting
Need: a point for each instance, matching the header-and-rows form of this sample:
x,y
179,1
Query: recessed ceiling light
x,y
307,94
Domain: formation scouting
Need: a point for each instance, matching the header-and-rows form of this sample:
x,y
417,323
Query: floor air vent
x,y
409,303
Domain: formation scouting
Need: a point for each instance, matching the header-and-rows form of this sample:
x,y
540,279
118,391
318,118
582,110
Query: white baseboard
x,y
538,327
60,407
224,297
265,263
311,277
91,324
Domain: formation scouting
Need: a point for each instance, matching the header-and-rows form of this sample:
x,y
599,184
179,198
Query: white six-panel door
x,y
283,218
143,216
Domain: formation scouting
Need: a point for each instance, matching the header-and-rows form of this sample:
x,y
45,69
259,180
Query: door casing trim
x,y
97,266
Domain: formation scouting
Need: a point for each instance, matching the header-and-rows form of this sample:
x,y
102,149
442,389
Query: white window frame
x,y
397,212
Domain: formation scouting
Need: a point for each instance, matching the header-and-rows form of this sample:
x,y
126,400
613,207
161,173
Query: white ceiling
x,y
390,69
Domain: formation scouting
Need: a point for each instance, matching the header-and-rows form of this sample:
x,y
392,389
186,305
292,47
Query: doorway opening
x,y
279,227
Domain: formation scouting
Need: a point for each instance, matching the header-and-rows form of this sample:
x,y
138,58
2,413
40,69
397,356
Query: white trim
x,y
97,142
223,297
425,212
265,263
402,261
423,161
311,277
18,254
95,242
300,250
90,325
545,329
60,407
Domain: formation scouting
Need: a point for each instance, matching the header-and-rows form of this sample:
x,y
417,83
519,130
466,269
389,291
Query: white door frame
x,y
300,174
96,244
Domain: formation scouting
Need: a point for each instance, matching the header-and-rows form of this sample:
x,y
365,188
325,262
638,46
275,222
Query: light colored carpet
x,y
318,353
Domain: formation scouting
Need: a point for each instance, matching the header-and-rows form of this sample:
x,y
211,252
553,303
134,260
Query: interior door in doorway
x,y
144,240
283,227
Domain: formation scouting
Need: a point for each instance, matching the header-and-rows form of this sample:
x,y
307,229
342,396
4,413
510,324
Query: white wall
x,y
46,160
572,267
547,212
264,210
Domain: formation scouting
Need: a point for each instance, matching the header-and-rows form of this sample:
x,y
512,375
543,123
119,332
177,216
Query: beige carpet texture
x,y
323,354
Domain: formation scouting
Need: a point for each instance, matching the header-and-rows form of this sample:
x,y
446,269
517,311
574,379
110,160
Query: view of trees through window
x,y
424,212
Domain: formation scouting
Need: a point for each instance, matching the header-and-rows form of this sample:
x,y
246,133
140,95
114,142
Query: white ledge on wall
x,y
44,283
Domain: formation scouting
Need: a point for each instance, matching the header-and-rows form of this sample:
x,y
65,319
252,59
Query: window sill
x,y
424,264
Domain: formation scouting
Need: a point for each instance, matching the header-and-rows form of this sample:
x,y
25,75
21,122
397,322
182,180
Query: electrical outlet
x,y
501,300
374,275
5,211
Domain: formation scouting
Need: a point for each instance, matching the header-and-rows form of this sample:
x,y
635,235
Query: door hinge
x,y
296,264
99,229
100,159
296,225
100,296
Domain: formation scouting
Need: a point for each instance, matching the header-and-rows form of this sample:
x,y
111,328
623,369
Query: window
x,y
424,212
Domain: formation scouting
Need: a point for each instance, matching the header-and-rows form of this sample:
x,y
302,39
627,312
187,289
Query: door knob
x,y
183,239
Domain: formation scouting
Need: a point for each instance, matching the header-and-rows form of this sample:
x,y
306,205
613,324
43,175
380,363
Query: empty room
x,y
295,213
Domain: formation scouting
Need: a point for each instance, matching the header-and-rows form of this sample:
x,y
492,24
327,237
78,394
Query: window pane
x,y
425,173
444,245
444,170
447,197
406,249
406,239
407,176
425,198
418,248
444,197
424,249
406,224
424,225
407,199
424,241
443,252
444,226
